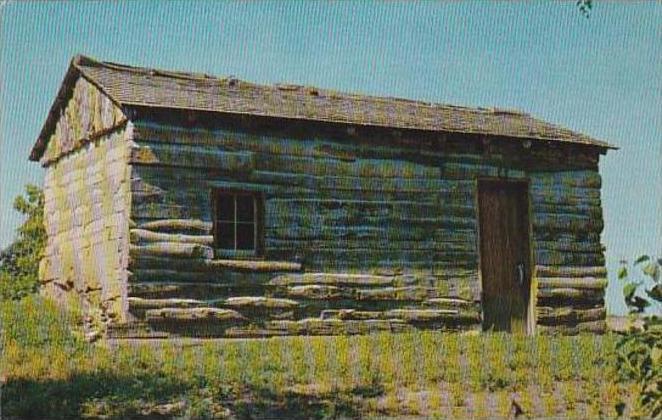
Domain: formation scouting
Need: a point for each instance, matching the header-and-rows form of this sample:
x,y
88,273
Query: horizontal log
x,y
252,331
139,236
584,198
571,295
399,280
366,168
407,322
260,302
384,244
357,259
172,249
355,207
572,282
175,155
331,279
594,327
409,315
140,198
568,246
316,291
137,262
193,314
565,204
410,293
210,265
256,265
235,280
392,230
316,326
353,314
407,294
345,220
178,226
564,192
450,303
566,223
168,211
356,184
568,315
569,258
565,237
168,275
143,304
590,209
402,288
590,179
187,290
422,315
598,271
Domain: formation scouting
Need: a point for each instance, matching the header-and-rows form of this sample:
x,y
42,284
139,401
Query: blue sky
x,y
600,76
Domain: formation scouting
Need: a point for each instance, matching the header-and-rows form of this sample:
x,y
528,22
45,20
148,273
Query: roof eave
x,y
591,142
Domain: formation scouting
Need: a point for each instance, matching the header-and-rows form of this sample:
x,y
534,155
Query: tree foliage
x,y
585,7
19,262
640,350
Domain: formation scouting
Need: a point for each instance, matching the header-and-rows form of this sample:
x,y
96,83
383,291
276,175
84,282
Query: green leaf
x,y
641,259
655,292
622,273
629,289
652,270
639,303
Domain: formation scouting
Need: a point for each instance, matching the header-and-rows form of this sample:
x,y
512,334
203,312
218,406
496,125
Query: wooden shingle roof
x,y
135,86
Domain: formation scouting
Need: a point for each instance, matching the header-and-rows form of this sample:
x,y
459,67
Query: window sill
x,y
235,255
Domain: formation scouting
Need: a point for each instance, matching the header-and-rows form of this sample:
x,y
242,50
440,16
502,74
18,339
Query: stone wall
x,y
86,213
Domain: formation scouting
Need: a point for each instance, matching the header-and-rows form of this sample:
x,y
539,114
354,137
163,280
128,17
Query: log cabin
x,y
182,204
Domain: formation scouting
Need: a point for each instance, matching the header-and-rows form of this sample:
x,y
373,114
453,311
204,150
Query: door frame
x,y
533,283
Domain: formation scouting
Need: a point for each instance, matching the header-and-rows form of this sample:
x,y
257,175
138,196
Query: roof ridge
x,y
83,60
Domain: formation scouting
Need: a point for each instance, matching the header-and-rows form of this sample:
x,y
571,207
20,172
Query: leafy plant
x,y
19,262
585,7
640,350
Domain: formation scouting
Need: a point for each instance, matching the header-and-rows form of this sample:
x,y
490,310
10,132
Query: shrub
x,y
640,350
19,262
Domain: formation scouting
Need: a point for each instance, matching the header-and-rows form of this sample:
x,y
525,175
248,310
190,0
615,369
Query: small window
x,y
237,222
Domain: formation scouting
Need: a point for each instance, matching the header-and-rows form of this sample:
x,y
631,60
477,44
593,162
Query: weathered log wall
x,y
571,278
334,206
87,201
405,216
338,208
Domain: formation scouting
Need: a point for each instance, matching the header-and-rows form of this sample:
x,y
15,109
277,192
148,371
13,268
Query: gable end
x,y
81,112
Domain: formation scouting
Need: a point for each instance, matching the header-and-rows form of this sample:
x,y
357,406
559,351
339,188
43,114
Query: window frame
x,y
258,224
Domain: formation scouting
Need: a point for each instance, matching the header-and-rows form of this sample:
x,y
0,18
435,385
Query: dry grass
x,y
51,372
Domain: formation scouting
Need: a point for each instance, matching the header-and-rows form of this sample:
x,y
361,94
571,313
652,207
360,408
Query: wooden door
x,y
504,255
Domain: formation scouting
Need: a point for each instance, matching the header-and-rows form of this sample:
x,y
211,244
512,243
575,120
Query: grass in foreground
x,y
49,372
